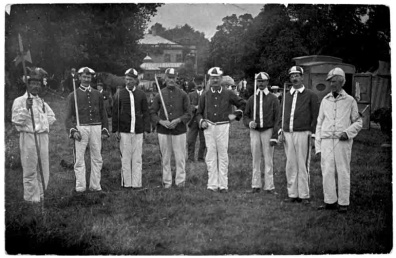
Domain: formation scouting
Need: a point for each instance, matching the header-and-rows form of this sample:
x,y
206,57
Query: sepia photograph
x,y
178,128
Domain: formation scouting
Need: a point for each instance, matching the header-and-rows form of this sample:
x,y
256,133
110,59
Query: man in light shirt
x,y
338,123
43,118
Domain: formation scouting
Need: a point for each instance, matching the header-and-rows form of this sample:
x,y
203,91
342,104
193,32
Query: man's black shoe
x,y
254,190
342,208
328,206
292,199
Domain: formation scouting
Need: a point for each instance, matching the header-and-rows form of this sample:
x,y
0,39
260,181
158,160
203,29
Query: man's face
x,y
262,84
130,82
199,87
215,81
170,80
296,79
34,87
335,84
100,87
85,79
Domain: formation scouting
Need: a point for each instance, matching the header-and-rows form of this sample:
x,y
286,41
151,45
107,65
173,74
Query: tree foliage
x,y
359,34
60,36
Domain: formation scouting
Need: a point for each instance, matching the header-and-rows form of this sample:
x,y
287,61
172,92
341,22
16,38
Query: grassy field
x,y
194,221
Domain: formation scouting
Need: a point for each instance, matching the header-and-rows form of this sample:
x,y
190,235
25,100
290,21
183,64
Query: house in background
x,y
162,54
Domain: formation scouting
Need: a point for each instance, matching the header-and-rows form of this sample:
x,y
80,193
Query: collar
x,y
200,91
31,95
133,89
219,91
266,91
82,88
300,90
101,91
342,93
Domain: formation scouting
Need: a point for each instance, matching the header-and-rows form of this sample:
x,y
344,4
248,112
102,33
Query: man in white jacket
x,y
43,118
338,123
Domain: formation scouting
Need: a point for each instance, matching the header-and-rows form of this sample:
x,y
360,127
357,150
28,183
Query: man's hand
x,y
105,134
344,137
204,125
231,117
29,103
281,138
118,136
77,136
174,123
164,123
252,125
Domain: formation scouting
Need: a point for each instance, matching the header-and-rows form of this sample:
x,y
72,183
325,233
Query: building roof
x,y
158,66
150,39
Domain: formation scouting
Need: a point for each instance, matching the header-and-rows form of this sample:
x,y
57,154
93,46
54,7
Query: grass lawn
x,y
194,221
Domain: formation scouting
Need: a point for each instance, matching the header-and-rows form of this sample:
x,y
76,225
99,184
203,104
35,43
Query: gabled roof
x,y
150,39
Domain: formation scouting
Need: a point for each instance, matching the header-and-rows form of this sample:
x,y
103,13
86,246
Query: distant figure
x,y
107,99
68,83
275,90
193,127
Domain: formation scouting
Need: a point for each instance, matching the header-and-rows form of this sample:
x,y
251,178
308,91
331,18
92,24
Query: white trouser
x,y
32,182
91,135
260,145
298,154
177,143
131,159
336,158
216,138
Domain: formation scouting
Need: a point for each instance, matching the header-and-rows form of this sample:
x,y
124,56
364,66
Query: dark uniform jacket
x,y
194,101
215,106
305,114
271,113
121,120
177,105
90,109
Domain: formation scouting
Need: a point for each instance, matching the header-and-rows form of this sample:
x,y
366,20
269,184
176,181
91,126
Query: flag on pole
x,y
23,55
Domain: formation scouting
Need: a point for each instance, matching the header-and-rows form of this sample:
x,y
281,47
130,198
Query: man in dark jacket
x,y
171,114
87,126
299,124
193,127
263,121
130,120
214,116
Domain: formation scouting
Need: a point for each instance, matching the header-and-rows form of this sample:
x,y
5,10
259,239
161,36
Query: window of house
x,y
179,58
167,58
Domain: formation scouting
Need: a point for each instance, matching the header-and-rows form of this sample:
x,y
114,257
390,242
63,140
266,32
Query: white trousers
x,y
335,160
177,143
298,155
216,138
260,145
90,135
32,182
131,159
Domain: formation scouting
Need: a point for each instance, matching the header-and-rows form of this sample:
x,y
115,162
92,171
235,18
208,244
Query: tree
x,y
60,36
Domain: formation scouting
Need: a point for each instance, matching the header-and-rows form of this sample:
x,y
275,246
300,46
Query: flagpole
x,y
33,123
254,98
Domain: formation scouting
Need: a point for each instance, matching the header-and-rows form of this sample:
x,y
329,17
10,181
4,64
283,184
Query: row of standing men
x,y
336,123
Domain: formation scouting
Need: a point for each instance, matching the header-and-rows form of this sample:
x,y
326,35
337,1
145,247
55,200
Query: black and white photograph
x,y
197,128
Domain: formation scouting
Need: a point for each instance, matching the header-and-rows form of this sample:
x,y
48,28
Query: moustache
x,y
294,80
